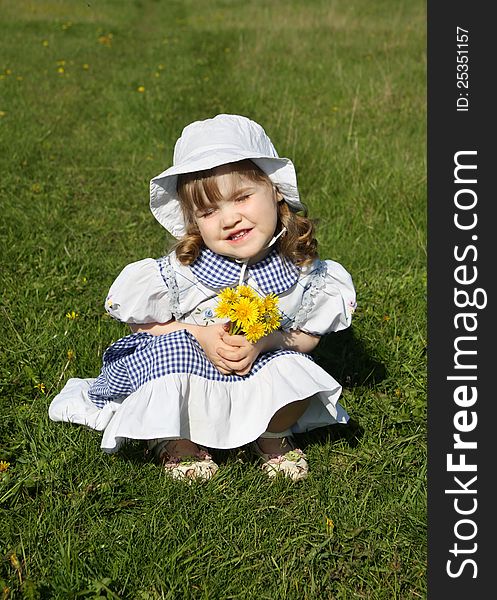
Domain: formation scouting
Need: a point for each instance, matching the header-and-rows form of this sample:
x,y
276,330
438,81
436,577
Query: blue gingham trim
x,y
274,274
141,357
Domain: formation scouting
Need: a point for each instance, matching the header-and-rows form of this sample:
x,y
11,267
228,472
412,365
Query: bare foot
x,y
277,446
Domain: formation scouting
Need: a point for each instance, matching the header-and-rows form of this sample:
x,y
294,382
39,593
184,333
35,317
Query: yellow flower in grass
x,y
245,312
4,465
330,526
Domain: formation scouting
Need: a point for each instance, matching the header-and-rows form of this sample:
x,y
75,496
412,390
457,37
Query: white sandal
x,y
199,466
292,464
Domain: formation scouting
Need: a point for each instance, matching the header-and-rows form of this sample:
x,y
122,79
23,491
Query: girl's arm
x,y
288,340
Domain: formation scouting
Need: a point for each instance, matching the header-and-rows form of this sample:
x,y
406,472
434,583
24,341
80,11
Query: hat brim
x,y
164,200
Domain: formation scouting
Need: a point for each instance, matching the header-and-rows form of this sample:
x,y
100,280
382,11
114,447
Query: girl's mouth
x,y
239,235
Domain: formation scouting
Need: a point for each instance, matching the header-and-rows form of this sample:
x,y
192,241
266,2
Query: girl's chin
x,y
250,257
251,252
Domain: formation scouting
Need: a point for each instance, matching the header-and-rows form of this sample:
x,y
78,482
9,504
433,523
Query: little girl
x,y
181,381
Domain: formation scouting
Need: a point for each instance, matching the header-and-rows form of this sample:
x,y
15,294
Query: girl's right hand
x,y
211,339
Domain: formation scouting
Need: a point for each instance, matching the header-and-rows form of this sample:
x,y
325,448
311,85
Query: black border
x,y
450,131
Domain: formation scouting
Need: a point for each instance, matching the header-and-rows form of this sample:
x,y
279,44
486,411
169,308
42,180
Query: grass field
x,y
93,94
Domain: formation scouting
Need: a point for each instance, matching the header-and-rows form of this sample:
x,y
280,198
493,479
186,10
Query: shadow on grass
x,y
348,360
350,433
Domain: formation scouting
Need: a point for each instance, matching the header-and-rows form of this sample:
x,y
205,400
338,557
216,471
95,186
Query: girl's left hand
x,y
242,354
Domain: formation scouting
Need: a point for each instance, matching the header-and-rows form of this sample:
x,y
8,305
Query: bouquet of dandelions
x,y
250,314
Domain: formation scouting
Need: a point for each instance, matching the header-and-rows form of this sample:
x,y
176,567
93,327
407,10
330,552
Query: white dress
x,y
165,387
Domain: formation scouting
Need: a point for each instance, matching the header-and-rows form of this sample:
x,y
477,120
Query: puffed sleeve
x,y
139,294
329,300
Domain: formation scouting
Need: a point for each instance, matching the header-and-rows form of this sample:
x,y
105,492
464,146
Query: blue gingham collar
x,y
273,274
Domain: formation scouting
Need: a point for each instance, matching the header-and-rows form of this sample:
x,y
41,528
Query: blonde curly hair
x,y
197,189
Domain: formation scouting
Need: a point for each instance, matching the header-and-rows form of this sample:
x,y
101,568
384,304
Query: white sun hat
x,y
212,143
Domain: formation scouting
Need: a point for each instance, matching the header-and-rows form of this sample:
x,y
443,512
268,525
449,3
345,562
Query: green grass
x,y
340,88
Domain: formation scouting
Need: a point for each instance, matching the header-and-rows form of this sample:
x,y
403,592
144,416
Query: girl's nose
x,y
230,217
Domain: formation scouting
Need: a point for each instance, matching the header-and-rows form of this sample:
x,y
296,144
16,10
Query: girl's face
x,y
242,223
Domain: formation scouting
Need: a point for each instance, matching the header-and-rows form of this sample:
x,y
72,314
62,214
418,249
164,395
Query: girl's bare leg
x,y
281,420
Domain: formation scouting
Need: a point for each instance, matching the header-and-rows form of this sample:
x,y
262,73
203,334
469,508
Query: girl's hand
x,y
211,338
238,354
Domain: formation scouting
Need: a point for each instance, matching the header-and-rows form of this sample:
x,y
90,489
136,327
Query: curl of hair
x,y
188,247
299,243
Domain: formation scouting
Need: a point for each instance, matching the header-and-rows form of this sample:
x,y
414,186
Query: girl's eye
x,y
206,213
242,198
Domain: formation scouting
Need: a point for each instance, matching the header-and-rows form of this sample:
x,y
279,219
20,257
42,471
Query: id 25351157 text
x,y
462,67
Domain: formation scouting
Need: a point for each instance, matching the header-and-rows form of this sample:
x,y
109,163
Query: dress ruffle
x,y
164,386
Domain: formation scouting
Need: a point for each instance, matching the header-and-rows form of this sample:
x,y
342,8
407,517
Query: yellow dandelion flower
x,y
72,315
61,70
4,465
106,40
228,295
224,309
14,561
86,66
41,387
271,321
255,331
245,312
245,291
250,314
140,89
270,303
330,526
